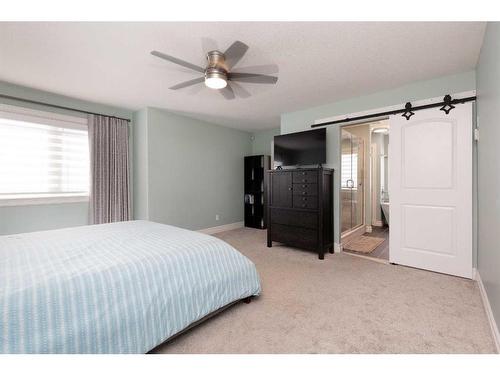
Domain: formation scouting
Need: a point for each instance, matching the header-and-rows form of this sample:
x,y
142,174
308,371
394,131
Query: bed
x,y
113,288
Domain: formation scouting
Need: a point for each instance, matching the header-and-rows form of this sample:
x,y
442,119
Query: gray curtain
x,y
109,170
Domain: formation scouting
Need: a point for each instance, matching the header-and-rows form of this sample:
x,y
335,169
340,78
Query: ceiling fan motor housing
x,y
216,73
216,59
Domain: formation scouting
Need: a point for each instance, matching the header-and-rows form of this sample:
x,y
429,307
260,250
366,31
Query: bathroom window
x,y
349,170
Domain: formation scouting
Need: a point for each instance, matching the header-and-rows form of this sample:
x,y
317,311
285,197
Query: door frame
x,y
375,170
353,231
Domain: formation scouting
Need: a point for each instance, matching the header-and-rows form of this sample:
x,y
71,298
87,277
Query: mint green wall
x,y
488,115
301,120
140,165
51,98
194,170
17,219
261,141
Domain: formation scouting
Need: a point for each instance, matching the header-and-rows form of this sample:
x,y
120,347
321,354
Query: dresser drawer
x,y
309,202
305,177
294,218
305,189
297,237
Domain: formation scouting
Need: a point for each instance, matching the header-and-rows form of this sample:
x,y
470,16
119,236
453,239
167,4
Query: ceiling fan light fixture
x,y
215,79
215,83
218,71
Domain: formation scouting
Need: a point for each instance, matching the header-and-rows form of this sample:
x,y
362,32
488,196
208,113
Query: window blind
x,y
349,170
42,157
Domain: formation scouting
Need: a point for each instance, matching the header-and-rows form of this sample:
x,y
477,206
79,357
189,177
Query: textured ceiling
x,y
319,62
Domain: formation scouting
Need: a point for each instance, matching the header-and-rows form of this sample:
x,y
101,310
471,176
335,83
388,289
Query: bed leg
x,y
247,300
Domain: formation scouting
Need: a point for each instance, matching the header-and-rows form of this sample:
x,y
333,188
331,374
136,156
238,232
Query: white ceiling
x,y
319,62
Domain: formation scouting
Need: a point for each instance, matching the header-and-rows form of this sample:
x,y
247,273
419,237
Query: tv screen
x,y
303,148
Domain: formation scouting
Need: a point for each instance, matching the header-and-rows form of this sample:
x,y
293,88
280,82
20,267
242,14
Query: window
x,y
349,169
44,157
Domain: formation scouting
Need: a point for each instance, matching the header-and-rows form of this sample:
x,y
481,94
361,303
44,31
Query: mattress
x,y
113,288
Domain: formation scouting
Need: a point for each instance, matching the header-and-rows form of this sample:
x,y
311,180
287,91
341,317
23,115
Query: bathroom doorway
x,y
364,195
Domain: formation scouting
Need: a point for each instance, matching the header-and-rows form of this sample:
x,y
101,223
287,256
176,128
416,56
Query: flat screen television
x,y
302,148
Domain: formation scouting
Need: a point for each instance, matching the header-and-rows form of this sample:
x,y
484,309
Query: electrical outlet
x,y
217,217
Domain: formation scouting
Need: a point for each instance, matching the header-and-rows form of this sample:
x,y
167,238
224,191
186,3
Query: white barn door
x,y
430,190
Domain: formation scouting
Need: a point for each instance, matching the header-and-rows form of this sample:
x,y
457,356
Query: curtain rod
x,y
59,106
446,105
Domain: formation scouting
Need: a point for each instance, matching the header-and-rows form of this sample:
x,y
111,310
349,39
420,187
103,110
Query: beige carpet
x,y
364,244
344,304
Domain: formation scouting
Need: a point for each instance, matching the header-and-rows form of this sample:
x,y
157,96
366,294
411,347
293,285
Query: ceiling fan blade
x,y
252,78
227,92
175,60
240,90
187,83
259,69
234,53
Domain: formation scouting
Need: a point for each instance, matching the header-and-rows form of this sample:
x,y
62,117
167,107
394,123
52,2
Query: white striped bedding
x,y
113,288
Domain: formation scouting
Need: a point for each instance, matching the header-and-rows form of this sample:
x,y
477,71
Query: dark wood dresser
x,y
300,208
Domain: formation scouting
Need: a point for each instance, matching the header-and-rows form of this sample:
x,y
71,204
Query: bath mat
x,y
364,244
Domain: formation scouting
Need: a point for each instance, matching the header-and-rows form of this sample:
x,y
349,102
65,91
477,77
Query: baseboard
x,y
222,228
369,229
378,223
489,312
337,247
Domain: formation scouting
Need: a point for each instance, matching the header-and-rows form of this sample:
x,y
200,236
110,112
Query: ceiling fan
x,y
219,71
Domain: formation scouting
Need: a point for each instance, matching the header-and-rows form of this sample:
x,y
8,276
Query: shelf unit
x,y
256,168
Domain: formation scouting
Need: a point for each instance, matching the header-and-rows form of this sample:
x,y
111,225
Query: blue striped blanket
x,y
113,288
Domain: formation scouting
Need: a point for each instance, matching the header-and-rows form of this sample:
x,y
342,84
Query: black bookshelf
x,y
256,168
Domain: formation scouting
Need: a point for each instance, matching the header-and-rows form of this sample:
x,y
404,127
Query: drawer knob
x,y
304,199
290,188
304,186
304,193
